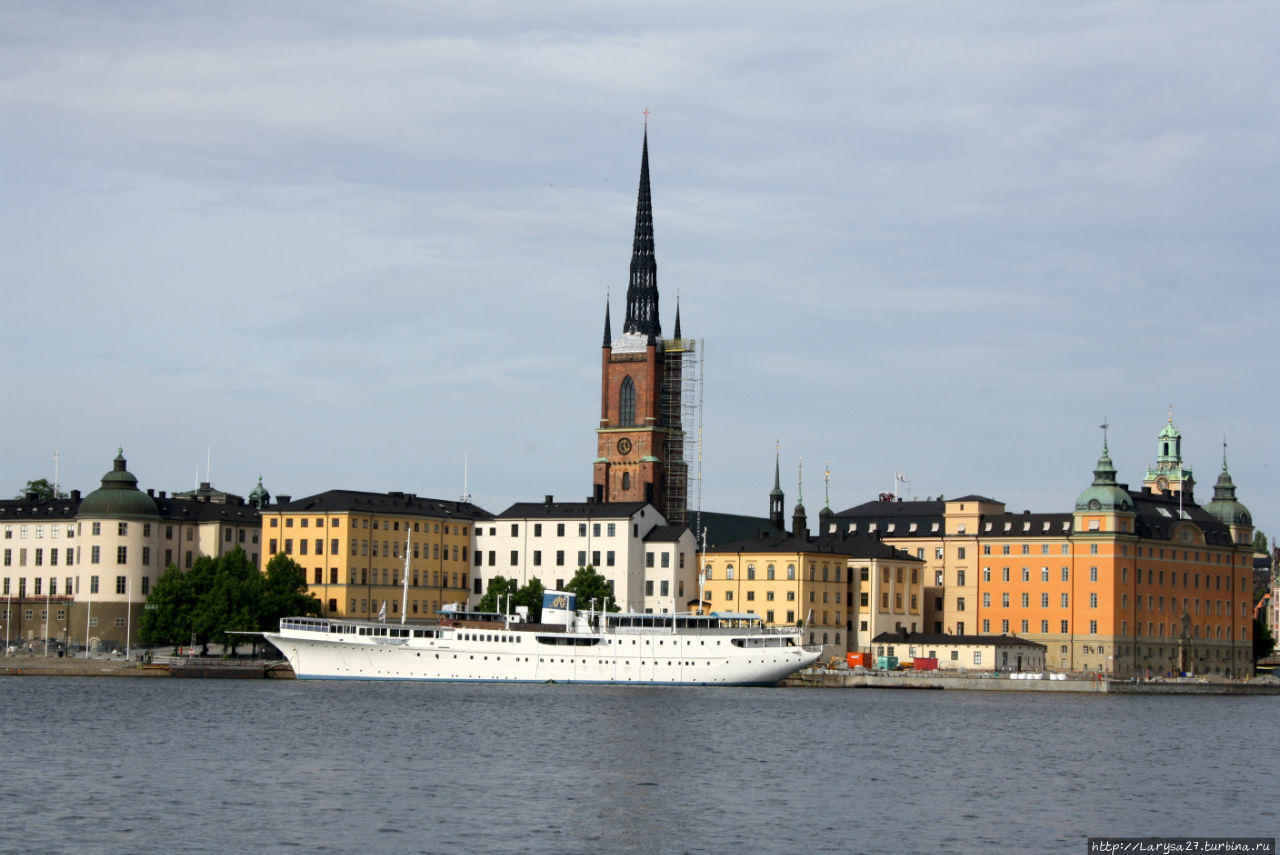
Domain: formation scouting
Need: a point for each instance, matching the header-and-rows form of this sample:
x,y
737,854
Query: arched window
x,y
728,571
626,480
627,403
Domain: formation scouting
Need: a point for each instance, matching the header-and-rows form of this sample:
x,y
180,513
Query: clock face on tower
x,y
624,446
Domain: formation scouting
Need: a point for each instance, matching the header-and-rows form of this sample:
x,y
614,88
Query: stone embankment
x,y
48,666
822,678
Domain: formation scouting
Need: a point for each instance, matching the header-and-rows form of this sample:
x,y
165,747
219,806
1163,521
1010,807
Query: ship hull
x,y
525,657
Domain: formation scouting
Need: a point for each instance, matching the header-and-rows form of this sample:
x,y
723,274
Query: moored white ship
x,y
724,649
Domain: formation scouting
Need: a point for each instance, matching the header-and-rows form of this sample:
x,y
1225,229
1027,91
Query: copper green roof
x,y
119,496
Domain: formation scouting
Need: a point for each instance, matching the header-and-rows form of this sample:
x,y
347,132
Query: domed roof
x,y
1224,505
258,496
119,496
1104,494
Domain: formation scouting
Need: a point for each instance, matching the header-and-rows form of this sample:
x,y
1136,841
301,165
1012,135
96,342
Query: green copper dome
x,y
119,496
1104,494
1224,505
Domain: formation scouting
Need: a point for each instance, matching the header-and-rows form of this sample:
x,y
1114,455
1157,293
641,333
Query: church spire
x,y
642,288
678,315
775,495
608,334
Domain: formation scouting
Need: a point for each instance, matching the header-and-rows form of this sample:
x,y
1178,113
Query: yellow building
x,y
352,546
845,589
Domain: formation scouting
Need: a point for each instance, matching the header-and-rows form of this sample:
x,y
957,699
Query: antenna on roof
x,y
466,496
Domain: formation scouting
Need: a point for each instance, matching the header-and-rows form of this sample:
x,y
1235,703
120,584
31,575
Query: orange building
x,y
1131,582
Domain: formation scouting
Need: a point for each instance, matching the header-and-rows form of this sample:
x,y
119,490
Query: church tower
x,y
640,438
1169,475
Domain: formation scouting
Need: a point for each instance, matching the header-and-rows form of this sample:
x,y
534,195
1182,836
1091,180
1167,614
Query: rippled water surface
x,y
160,766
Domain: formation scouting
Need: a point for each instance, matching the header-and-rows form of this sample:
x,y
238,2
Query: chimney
x,y
283,499
162,494
546,500
75,495
151,491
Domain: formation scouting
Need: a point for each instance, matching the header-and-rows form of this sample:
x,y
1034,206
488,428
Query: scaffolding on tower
x,y
681,412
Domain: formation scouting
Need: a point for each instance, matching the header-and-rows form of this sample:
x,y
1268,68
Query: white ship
x,y
720,649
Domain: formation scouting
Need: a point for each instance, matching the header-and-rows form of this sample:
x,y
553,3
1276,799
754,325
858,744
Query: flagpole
x,y
87,613
128,616
404,599
46,623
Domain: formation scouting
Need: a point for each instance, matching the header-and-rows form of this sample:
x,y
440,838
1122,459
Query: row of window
x,y
391,578
609,530
385,525
69,583
390,549
122,530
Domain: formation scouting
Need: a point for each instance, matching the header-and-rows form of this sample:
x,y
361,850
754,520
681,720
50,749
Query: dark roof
x,y
850,546
726,528
21,510
357,501
907,637
583,510
1025,525
665,533
1157,514
196,510
923,508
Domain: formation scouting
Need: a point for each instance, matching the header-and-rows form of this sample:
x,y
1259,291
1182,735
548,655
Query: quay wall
x,y
826,679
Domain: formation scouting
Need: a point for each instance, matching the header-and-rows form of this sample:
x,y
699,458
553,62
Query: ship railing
x,y
306,624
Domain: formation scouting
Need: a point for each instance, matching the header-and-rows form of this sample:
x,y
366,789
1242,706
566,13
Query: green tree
x,y
233,602
590,585
43,490
529,595
167,618
1264,643
284,593
1259,542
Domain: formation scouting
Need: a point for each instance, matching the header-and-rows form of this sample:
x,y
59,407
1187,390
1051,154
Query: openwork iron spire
x,y
642,289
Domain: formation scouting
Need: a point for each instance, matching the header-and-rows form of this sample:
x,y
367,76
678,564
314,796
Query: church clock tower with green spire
x,y
1169,475
640,438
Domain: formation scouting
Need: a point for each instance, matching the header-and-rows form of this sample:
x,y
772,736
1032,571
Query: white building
x,y
551,540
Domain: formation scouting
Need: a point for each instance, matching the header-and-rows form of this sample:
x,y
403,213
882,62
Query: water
x,y
161,766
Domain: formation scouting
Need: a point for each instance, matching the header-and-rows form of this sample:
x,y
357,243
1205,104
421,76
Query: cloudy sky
x,y
353,245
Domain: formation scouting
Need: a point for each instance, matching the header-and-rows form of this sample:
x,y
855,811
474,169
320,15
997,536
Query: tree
x,y
166,619
233,602
1264,643
43,490
529,595
284,593
590,585
1259,542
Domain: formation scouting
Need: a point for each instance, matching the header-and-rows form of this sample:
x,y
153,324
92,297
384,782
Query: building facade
x,y
353,545
628,543
1003,653
78,570
1130,582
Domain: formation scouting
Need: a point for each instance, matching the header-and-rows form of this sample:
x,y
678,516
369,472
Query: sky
x,y
369,245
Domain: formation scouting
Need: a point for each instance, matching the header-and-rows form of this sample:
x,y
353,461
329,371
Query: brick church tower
x,y
640,440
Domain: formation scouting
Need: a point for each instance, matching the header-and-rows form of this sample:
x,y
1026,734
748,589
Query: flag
x,y
382,612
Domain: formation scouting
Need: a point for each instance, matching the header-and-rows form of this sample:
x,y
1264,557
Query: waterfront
x,y
271,766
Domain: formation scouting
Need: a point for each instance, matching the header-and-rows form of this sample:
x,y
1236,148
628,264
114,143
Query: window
x,y
937,552
986,600
515,557
608,558
959,577
959,603
1093,601
1026,600
1065,600
595,529
93,584
960,554
1044,602
1093,574
559,557
537,529
94,555
95,528
627,403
